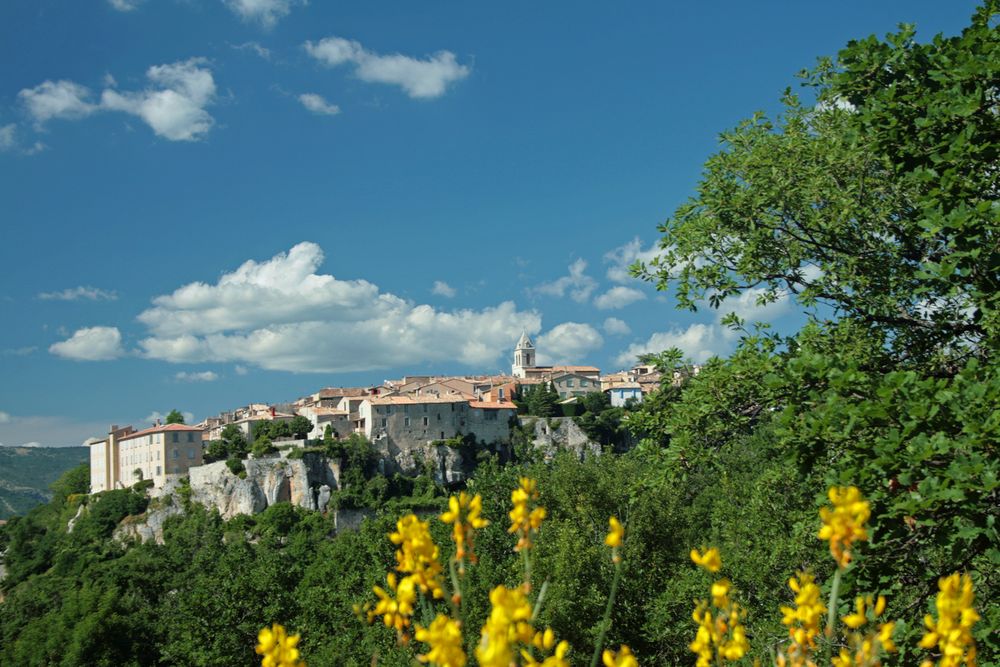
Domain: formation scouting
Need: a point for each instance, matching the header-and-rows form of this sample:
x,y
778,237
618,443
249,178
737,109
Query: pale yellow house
x,y
127,456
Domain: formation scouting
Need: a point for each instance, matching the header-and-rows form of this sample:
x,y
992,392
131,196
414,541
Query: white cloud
x,y
698,342
425,78
746,307
624,256
240,370
281,315
203,376
4,417
616,327
156,415
8,137
318,105
57,99
175,107
125,5
90,344
618,297
265,12
568,342
441,288
77,293
579,285
256,47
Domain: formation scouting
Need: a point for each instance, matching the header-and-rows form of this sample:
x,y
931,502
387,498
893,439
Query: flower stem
x,y
831,613
606,621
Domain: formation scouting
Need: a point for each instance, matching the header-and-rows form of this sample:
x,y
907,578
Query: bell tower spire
x,y
524,356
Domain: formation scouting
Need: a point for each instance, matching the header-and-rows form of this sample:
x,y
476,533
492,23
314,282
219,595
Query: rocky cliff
x,y
306,482
560,433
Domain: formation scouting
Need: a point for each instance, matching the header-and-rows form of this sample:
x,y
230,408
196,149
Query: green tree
x,y
174,417
879,201
300,427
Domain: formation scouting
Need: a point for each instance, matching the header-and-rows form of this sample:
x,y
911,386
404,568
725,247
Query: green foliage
x,y
174,417
541,400
300,427
235,465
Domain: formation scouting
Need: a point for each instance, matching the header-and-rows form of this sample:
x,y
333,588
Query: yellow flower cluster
x,y
623,658
465,515
508,632
278,648
417,554
803,622
525,519
614,538
444,637
952,632
395,612
865,649
844,524
720,637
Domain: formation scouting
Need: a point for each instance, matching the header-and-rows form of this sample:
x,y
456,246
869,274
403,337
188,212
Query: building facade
x,y
128,456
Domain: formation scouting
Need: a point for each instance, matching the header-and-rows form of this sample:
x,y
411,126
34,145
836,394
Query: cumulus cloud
x,y
265,12
579,285
746,306
281,314
624,256
420,78
157,416
174,107
77,293
318,104
441,288
616,327
90,344
202,376
699,342
57,99
569,342
618,297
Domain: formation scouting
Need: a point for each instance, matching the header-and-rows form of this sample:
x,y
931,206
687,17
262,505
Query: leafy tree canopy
x,y
174,417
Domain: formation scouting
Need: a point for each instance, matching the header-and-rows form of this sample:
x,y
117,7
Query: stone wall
x,y
560,433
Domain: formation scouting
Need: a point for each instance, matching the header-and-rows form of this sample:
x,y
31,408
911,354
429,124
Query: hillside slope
x,y
27,472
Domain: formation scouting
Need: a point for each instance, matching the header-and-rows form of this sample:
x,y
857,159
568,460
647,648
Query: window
x,y
190,453
442,435
157,470
406,421
157,454
439,416
491,415
190,436
426,420
500,394
569,383
177,454
583,383
175,437
384,422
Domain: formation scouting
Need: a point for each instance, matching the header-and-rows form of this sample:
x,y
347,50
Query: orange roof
x,y
160,429
500,405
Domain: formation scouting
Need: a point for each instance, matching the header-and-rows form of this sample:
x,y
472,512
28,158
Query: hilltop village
x,y
397,417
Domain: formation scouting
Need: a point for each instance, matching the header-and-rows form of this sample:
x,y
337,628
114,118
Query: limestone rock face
x,y
147,527
268,481
561,433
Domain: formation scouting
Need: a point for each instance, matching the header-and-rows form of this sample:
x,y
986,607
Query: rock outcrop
x,y
306,482
147,527
558,434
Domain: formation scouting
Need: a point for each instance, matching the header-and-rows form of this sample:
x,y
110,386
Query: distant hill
x,y
27,472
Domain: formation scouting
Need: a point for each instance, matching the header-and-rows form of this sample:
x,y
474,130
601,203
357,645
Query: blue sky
x,y
207,203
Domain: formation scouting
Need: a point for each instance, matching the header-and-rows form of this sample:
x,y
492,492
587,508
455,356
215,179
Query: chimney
x,y
272,412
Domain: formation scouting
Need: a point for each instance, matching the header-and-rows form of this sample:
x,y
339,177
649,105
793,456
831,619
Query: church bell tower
x,y
524,356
